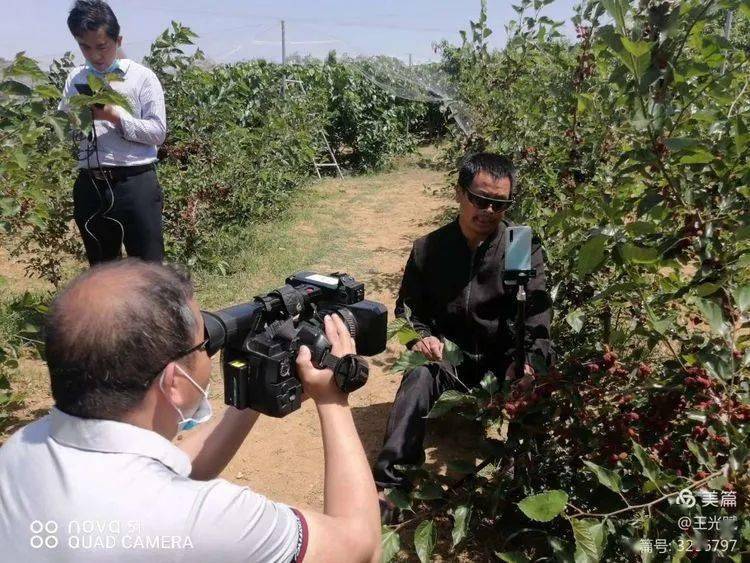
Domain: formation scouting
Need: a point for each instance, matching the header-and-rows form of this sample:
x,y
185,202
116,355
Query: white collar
x,y
110,436
125,65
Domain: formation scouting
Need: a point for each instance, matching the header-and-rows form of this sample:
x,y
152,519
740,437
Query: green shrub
x,y
633,151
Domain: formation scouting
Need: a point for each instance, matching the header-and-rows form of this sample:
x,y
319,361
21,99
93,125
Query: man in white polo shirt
x,y
98,478
117,197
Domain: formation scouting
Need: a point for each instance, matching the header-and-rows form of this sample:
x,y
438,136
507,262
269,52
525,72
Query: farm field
x,y
633,154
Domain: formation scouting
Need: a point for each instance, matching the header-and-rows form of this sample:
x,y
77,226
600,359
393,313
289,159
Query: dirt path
x,y
284,458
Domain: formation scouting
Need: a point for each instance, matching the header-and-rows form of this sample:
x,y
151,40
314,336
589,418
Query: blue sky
x,y
236,29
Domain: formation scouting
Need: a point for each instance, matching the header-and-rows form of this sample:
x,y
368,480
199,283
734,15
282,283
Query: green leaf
x,y
697,451
14,88
408,334
713,314
638,65
590,536
401,328
490,383
452,353
425,538
544,506
21,159
58,126
641,228
740,134
718,482
47,91
400,498
408,361
397,324
617,9
697,157
390,543
591,254
638,254
608,478
738,457
448,401
95,83
636,48
677,144
585,102
705,289
575,319
512,557
461,518
659,325
648,465
25,66
742,297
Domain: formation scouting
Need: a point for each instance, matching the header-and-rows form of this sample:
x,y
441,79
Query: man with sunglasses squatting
x,y
452,288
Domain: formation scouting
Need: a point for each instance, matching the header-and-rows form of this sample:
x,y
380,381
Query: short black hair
x,y
90,15
495,165
111,332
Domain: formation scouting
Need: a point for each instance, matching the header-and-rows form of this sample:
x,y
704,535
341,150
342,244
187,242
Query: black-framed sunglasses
x,y
482,202
200,347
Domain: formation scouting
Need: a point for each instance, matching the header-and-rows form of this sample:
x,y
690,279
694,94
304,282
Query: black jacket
x,y
458,294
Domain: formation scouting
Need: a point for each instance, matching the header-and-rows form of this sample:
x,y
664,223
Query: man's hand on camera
x,y
319,384
431,347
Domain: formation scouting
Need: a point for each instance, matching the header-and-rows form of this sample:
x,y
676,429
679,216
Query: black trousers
x,y
127,212
405,432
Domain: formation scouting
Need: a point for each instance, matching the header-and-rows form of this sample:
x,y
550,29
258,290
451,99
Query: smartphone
x,y
86,90
517,252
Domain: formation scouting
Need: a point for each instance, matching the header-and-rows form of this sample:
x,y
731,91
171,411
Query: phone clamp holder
x,y
518,277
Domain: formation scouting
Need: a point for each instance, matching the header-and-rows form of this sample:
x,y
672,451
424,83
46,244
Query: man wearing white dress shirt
x,y
117,197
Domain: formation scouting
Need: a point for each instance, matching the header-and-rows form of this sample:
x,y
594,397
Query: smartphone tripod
x,y
519,278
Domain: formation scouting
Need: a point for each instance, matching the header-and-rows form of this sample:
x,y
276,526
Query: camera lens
x,y
348,317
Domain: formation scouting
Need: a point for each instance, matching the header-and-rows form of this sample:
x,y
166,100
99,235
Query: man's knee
x,y
420,377
418,384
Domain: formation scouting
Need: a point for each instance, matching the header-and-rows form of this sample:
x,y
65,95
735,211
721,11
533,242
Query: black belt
x,y
117,173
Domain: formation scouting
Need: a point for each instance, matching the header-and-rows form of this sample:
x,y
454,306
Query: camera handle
x,y
349,372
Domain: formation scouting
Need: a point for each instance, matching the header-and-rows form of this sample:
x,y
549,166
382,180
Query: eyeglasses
x,y
200,347
482,202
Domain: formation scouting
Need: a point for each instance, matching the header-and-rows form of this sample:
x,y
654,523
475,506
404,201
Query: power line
x,y
332,39
337,23
310,42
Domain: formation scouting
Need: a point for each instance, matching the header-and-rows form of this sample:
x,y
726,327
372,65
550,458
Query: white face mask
x,y
115,66
202,411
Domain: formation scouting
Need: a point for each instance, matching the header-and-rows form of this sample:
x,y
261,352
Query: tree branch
x,y
580,513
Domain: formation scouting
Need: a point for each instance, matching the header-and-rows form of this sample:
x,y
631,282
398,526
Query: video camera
x,y
260,340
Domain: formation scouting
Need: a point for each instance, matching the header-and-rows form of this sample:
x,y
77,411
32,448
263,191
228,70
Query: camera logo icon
x,y
44,534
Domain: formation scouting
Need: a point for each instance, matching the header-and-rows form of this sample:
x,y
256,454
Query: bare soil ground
x,y
386,212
